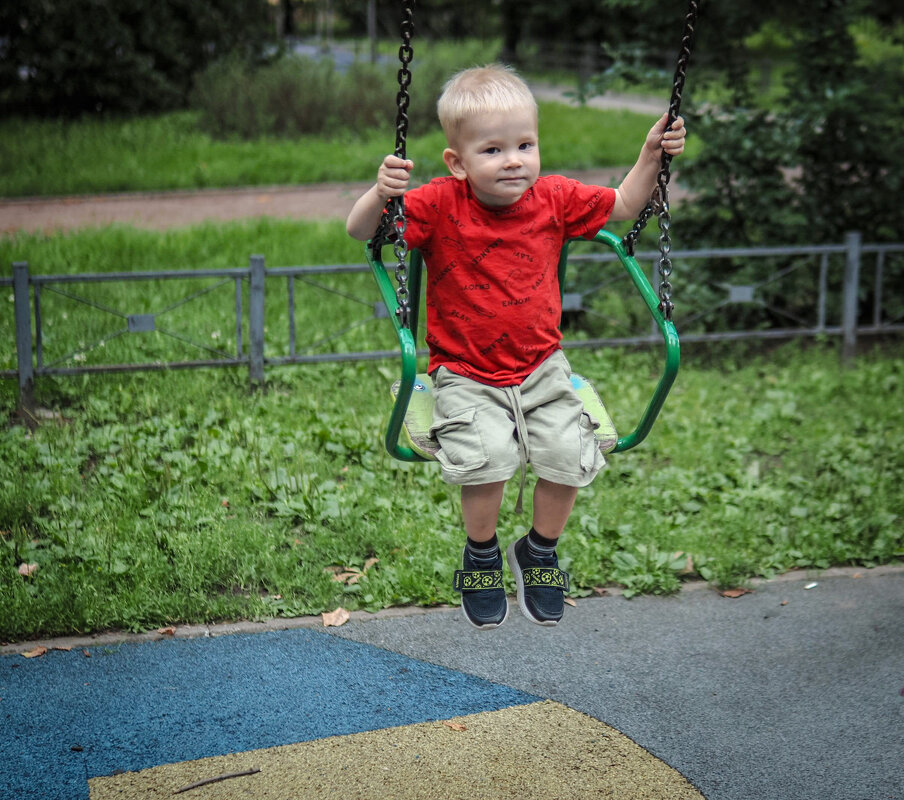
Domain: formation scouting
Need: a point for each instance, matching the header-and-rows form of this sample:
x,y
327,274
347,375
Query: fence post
x,y
852,244
24,354
256,320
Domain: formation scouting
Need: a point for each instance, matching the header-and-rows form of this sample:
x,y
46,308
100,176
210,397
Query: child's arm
x,y
634,192
392,181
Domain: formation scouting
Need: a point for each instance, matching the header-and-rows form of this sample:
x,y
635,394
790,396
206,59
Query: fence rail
x,y
840,293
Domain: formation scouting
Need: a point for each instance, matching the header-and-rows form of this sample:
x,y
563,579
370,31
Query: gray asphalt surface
x,y
786,693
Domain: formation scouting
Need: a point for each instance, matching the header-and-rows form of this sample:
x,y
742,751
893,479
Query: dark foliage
x,y
67,57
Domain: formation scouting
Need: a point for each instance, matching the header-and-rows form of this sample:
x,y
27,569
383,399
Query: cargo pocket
x,y
461,448
591,458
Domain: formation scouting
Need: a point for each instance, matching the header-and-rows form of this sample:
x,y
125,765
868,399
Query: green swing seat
x,y
419,415
408,432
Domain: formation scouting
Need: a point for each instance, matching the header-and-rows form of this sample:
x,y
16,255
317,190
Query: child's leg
x,y
480,578
553,503
480,506
533,560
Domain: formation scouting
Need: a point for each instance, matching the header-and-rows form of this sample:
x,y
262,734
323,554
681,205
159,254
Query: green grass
x,y
178,497
171,152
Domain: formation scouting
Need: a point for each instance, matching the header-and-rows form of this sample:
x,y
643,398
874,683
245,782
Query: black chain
x,y
394,223
659,203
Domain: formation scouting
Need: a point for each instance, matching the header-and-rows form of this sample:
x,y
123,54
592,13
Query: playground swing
x,y
407,435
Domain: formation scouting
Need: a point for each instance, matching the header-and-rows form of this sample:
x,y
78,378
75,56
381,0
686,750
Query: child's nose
x,y
514,158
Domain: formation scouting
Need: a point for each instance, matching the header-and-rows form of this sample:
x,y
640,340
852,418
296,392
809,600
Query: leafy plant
x,y
155,499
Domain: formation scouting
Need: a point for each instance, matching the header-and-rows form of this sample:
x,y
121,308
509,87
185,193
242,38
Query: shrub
x,y
67,57
295,95
291,96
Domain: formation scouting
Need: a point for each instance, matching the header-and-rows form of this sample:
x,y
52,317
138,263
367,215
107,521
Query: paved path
x,y
163,210
788,693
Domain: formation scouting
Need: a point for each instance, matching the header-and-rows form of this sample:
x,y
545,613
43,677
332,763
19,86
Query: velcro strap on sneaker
x,y
476,580
550,577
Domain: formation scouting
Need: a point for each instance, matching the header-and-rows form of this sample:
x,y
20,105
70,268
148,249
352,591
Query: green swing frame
x,y
412,412
407,433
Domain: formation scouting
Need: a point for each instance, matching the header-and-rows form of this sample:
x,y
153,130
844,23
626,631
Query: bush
x,y
291,96
295,95
67,57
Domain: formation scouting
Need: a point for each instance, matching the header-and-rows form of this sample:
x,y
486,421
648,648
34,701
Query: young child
x,y
491,235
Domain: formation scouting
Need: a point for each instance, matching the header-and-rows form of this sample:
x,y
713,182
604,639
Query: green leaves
x,y
196,501
646,569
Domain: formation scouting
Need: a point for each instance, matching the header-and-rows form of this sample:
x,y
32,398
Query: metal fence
x,y
274,323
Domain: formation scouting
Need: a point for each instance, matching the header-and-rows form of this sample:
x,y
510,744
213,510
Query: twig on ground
x,y
225,776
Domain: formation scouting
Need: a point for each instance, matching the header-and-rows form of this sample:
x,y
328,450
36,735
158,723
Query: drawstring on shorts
x,y
514,395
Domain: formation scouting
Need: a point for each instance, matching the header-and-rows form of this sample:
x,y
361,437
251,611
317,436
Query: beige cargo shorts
x,y
486,433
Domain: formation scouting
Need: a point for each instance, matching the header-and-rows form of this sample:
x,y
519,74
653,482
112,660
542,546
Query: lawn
x,y
177,497
170,151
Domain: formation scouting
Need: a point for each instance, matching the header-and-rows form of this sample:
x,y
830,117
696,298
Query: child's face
x,y
499,155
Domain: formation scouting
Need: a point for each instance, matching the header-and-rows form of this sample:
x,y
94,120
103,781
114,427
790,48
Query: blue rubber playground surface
x,y
72,716
795,691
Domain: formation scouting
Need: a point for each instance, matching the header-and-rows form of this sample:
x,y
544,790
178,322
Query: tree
x,y
72,56
821,159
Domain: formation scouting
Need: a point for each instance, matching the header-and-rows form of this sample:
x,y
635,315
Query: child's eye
x,y
526,145
491,151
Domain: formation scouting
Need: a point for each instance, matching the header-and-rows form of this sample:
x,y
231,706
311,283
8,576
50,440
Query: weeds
x,y
176,497
204,502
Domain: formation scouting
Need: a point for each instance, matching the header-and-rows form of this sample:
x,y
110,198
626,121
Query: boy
x,y
491,234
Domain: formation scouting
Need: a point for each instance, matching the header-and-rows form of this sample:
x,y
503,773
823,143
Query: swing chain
x,y
394,224
659,203
399,222
403,99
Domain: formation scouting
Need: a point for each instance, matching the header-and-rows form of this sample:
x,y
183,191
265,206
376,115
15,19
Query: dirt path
x,y
161,210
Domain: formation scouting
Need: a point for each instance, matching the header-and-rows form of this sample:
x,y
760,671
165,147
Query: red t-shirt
x,y
492,283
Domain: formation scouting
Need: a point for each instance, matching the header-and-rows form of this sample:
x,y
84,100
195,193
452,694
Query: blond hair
x,y
479,90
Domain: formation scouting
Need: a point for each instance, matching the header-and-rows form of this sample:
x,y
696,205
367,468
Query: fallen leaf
x,y
600,591
739,592
333,619
570,601
857,575
64,648
86,653
455,726
783,603
688,568
170,631
36,653
349,575
26,570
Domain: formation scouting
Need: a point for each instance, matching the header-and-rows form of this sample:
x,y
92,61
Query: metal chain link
x,y
659,203
394,224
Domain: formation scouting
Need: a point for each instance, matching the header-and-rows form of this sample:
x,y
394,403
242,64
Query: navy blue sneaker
x,y
482,594
541,584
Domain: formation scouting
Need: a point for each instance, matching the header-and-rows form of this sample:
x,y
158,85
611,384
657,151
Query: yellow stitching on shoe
x,y
475,580
551,577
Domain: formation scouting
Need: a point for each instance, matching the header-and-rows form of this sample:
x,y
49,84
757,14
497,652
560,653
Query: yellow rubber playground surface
x,y
792,692
298,714
494,754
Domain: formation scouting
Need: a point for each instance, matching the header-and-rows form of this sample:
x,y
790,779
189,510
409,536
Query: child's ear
x,y
453,162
